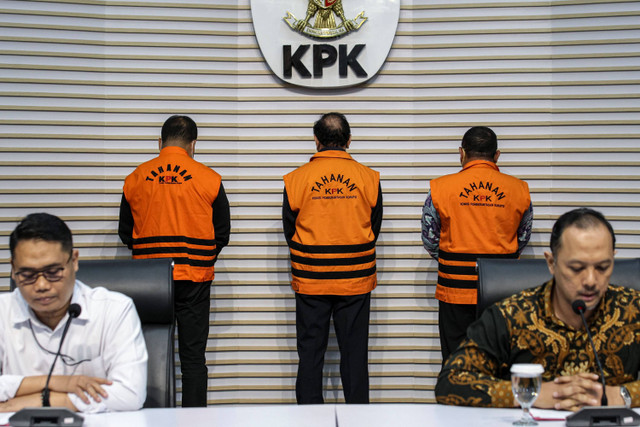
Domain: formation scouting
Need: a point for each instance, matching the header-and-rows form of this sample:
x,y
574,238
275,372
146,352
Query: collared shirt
x,y
106,339
524,329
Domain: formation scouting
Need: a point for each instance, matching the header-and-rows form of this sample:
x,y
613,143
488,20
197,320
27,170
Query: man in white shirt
x,y
103,360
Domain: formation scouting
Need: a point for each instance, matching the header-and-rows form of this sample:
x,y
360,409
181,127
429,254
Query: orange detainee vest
x,y
170,198
480,211
333,248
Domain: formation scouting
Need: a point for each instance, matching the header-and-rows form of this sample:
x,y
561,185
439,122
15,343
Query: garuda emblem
x,y
324,25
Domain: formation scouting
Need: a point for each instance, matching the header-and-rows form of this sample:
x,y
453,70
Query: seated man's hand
x,y
570,393
35,400
15,404
6,406
80,385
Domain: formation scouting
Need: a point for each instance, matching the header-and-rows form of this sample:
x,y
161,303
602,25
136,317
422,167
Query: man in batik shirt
x,y
539,326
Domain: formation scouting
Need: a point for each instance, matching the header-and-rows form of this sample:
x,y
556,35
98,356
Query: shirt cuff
x,y
9,385
92,408
634,391
501,395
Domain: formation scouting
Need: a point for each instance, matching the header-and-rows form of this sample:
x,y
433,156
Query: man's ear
x,y
495,156
159,144
348,143
548,256
74,259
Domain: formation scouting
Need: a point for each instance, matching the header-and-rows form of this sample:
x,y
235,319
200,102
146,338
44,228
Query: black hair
x,y
480,142
41,226
332,130
582,218
179,128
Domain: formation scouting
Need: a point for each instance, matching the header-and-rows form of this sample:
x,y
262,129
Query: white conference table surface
x,y
433,415
223,416
329,415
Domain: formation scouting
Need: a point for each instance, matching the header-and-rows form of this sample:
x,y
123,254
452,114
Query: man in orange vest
x,y
331,213
175,207
478,212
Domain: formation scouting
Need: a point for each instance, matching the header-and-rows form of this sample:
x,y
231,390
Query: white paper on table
x,y
549,414
4,418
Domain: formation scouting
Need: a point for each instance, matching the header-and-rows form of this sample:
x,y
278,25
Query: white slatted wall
x,y
86,84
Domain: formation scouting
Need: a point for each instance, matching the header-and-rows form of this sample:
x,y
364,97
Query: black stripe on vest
x,y
174,239
333,275
456,269
173,250
333,261
195,262
455,283
452,256
332,249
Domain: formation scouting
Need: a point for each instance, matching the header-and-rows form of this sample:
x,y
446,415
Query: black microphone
x,y
579,307
74,311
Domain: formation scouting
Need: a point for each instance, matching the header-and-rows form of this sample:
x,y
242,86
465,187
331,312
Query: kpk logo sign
x,y
325,43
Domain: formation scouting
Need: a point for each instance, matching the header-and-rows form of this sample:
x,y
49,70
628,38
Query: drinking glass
x,y
526,381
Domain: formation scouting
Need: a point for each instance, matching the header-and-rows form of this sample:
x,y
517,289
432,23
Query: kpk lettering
x,y
325,180
169,179
324,56
487,186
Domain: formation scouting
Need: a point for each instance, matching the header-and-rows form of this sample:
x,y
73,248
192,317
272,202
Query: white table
x,y
223,416
377,415
426,415
329,415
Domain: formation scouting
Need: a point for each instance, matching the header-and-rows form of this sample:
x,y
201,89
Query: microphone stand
x,y
599,415
579,307
48,416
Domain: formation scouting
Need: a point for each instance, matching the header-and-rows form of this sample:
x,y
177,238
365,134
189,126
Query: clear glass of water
x,y
526,381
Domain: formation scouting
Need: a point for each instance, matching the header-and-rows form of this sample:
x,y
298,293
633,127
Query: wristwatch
x,y
624,393
45,398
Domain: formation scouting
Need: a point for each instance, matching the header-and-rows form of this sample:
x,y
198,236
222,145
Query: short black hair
x,y
480,141
179,128
582,218
41,226
332,130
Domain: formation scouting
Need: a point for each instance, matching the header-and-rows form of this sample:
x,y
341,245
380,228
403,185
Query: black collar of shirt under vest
x,y
330,148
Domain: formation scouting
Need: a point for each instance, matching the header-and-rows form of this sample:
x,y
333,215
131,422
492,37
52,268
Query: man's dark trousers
x,y
351,323
453,321
192,302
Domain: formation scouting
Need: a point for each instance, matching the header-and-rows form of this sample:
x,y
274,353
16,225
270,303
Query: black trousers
x,y
453,321
192,302
351,323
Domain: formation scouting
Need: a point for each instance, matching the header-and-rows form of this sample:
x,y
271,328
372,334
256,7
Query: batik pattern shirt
x,y
524,329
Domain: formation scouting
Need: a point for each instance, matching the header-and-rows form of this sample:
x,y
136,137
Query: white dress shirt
x,y
106,337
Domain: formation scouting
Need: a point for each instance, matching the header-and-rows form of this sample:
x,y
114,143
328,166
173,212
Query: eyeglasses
x,y
51,274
